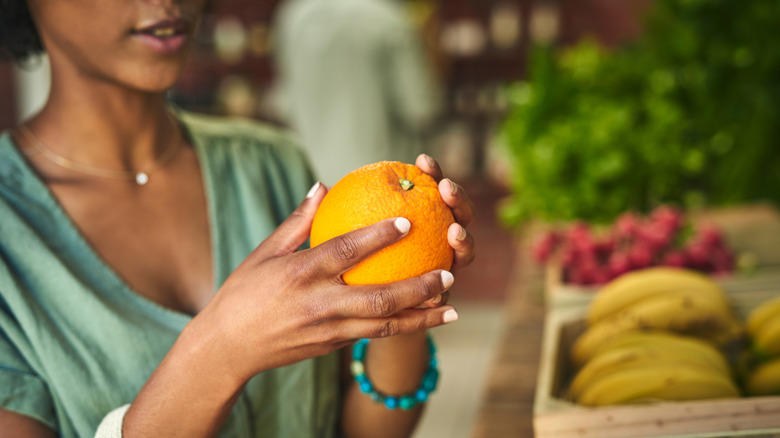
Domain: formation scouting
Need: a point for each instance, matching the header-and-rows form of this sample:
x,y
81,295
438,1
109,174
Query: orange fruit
x,y
384,190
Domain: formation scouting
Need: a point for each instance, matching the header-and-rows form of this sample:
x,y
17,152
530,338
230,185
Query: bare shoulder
x,y
16,425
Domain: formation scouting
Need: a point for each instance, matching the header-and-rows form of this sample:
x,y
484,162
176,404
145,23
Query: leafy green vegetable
x,y
688,115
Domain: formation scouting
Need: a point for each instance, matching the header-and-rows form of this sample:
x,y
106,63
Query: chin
x,y
157,79
157,87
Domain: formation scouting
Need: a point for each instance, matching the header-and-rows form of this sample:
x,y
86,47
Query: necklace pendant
x,y
141,178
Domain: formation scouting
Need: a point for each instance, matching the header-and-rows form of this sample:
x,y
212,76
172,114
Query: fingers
x,y
385,310
294,231
462,244
462,210
427,164
452,194
458,201
437,301
387,299
341,253
406,321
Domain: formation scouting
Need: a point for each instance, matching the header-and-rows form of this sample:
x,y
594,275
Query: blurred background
x,y
552,111
476,48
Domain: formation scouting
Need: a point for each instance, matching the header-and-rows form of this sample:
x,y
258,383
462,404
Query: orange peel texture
x,y
384,190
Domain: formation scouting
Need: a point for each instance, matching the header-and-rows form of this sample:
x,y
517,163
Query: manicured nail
x,y
402,224
447,279
313,190
436,299
453,187
449,316
461,234
428,159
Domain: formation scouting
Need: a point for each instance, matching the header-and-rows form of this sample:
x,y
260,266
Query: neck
x,y
104,125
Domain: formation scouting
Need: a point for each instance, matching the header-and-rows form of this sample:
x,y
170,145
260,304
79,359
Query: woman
x,y
120,218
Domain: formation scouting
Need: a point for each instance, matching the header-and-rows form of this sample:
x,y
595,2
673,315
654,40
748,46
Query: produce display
x,y
665,333
380,191
685,115
659,298
654,365
663,238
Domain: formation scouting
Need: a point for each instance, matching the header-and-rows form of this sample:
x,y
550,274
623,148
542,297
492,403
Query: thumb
x,y
294,231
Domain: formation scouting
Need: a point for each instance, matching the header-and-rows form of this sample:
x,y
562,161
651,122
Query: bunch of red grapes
x,y
634,242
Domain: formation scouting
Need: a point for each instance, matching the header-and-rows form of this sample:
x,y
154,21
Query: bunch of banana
x,y
762,373
639,366
655,334
763,325
657,298
627,289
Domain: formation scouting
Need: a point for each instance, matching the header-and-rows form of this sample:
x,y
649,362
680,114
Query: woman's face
x,y
140,44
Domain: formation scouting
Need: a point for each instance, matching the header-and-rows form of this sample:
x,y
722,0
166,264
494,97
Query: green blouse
x,y
77,342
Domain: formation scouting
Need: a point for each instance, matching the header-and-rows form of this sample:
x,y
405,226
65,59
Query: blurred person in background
x,y
354,82
151,282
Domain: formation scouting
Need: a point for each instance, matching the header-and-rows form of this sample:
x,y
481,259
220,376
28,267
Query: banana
x,y
765,312
687,351
765,379
659,382
679,311
767,339
587,343
637,285
653,338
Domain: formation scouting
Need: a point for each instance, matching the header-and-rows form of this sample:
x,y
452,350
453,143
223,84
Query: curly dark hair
x,y
19,37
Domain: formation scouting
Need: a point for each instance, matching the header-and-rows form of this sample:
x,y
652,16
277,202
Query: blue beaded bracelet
x,y
406,402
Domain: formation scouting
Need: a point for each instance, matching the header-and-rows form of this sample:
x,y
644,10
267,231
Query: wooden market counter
x,y
507,406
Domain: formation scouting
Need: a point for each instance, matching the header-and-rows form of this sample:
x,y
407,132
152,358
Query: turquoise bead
x,y
359,350
407,402
391,402
430,380
366,387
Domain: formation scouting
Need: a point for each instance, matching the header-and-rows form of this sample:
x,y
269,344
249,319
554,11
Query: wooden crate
x,y
556,417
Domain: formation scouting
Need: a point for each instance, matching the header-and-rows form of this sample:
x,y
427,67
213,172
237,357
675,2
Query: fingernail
x,y
447,279
402,224
313,190
449,316
461,234
428,159
436,299
453,187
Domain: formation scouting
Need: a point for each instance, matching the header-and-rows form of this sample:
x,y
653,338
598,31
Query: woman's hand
x,y
281,306
462,209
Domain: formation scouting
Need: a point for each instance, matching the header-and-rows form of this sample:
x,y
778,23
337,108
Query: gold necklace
x,y
140,177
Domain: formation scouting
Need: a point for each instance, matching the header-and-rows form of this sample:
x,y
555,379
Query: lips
x,y
164,36
164,28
